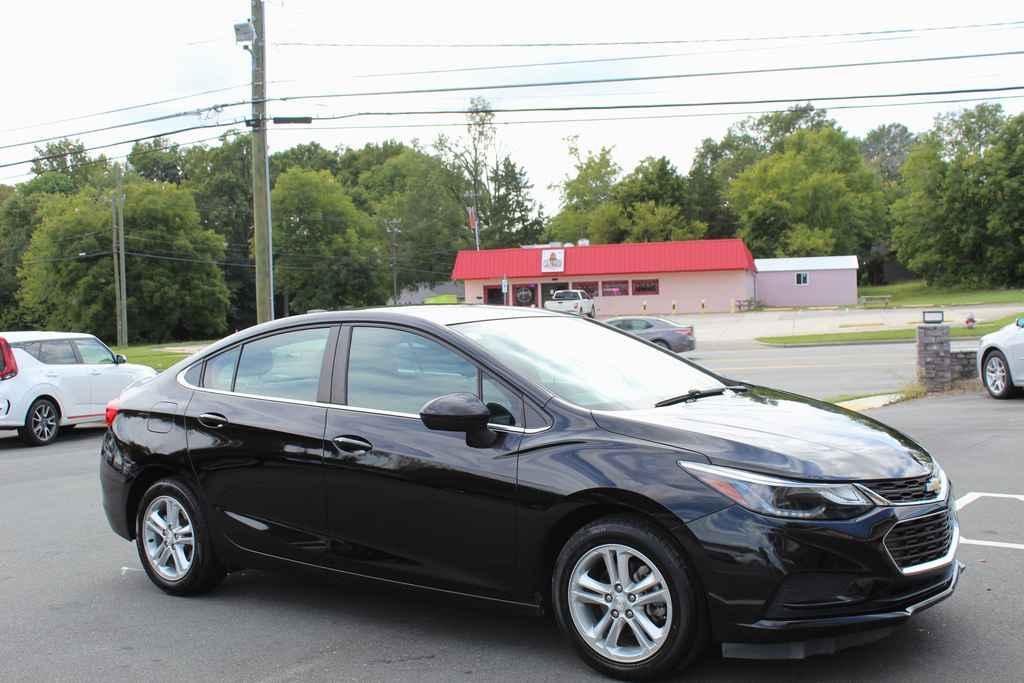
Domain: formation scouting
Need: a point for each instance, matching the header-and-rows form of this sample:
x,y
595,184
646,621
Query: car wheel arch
x,y
49,396
591,505
146,478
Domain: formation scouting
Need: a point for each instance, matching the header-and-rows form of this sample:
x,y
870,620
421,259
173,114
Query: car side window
x,y
285,365
220,370
642,325
93,352
506,408
399,371
59,352
194,374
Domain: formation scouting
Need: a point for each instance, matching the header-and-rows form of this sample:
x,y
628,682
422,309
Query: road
x,y
819,371
74,604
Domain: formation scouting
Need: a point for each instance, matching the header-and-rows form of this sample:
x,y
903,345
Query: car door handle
x,y
353,444
212,420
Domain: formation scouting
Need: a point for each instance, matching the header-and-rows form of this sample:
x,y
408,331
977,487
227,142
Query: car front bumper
x,y
779,588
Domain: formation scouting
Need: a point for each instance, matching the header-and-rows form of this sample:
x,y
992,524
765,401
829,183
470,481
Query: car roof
x,y
440,314
30,336
643,317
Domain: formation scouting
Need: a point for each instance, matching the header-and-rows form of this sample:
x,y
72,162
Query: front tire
x,y
173,540
995,374
624,596
42,423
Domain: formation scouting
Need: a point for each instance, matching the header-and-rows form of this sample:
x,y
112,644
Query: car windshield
x,y
587,364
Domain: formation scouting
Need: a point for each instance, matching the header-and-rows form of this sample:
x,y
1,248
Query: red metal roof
x,y
608,259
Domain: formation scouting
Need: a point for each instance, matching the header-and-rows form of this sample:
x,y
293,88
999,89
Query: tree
x,y
471,156
653,180
309,155
596,175
960,221
157,160
175,286
886,147
514,218
815,194
328,253
220,180
69,158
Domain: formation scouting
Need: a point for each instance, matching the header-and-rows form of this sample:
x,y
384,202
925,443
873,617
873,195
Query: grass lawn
x,y
917,293
155,356
887,335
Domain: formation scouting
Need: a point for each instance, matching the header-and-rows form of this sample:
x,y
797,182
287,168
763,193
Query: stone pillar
x,y
934,361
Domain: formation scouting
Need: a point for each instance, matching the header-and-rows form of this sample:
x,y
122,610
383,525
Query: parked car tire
x,y
42,423
646,625
663,344
592,314
174,541
995,374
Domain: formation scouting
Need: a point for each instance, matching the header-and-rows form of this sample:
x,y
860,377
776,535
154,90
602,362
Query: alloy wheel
x,y
169,538
995,374
44,421
620,603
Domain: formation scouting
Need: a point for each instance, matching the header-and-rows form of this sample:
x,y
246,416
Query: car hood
x,y
778,433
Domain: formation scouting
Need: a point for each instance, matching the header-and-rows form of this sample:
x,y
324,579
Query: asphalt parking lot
x,y
76,606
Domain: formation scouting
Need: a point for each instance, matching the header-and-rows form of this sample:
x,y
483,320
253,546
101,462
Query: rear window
x,y
566,296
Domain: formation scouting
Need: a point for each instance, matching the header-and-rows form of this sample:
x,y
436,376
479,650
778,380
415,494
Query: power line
x,y
194,112
671,105
659,116
637,79
690,41
47,157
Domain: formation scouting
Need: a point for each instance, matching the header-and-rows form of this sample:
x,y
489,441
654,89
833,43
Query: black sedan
x,y
665,333
533,459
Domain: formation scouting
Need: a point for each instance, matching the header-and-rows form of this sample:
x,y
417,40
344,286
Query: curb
x,y
859,405
837,343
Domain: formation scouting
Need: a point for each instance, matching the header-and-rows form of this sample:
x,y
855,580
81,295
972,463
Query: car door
x,y
64,371
405,502
106,378
1015,346
255,432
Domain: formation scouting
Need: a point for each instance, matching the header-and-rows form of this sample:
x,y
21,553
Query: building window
x,y
615,288
645,287
801,279
591,288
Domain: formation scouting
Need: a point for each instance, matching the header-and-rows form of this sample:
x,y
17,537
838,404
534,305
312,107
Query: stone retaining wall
x,y
964,364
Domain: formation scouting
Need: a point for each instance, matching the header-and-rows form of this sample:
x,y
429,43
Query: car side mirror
x,y
120,358
460,412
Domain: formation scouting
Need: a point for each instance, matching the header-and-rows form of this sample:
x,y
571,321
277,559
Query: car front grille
x,y
920,540
902,490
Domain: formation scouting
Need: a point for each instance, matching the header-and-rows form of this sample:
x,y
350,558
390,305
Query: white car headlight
x,y
781,497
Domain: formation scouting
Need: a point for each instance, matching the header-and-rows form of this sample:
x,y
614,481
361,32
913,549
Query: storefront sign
x,y
552,260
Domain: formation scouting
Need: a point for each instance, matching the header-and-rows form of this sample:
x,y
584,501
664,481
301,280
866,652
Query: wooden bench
x,y
745,304
883,299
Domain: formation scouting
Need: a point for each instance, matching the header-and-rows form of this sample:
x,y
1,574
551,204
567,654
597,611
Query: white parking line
x,y
125,570
968,498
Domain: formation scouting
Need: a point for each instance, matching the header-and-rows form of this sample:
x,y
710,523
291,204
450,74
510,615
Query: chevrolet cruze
x,y
536,459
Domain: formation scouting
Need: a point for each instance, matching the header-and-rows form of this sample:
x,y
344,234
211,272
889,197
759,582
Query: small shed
x,y
807,281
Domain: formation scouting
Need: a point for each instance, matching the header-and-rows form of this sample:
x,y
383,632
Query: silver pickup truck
x,y
575,301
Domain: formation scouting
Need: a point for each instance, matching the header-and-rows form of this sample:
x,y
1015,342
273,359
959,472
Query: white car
x,y
50,380
575,301
1001,360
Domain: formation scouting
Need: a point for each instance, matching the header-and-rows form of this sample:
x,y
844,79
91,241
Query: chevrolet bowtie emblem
x,y
934,485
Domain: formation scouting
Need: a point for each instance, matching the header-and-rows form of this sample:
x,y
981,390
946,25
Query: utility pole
x,y
262,239
392,227
117,251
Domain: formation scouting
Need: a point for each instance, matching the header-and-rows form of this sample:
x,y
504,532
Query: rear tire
x,y
642,618
663,344
42,423
174,542
995,375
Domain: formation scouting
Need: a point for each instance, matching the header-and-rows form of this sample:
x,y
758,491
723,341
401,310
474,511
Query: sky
x,y
70,59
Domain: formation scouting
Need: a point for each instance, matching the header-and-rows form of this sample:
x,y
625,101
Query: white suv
x,y
49,380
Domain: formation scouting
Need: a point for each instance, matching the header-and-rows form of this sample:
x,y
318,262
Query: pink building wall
x,y
717,289
823,288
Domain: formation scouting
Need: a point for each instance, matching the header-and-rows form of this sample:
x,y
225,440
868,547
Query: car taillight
x,y
685,330
8,365
111,412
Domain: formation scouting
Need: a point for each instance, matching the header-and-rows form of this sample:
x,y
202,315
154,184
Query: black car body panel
x,y
375,493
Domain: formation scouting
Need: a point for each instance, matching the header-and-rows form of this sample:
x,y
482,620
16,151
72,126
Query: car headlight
x,y
780,497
